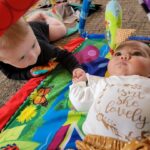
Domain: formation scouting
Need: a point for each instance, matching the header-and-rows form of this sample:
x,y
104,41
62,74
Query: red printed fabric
x,y
11,11
15,102
73,44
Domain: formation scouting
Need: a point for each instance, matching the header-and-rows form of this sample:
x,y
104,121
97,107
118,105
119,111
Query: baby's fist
x,y
79,75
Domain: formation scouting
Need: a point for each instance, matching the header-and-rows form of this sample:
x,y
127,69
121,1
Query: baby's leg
x,y
36,16
57,29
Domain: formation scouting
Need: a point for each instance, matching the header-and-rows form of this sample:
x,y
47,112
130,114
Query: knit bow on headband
x,y
11,11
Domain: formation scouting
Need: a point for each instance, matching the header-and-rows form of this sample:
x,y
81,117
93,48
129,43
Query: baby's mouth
x,y
122,63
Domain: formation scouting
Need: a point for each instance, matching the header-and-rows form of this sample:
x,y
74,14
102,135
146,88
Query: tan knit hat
x,y
123,34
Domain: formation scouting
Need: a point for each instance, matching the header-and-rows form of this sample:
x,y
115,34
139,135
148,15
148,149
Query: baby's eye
x,y
117,54
137,53
33,46
22,57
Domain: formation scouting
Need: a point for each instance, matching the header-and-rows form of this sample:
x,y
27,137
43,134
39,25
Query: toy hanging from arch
x,y
113,20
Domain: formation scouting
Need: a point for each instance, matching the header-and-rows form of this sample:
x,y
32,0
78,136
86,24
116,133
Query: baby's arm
x,y
16,74
81,96
82,93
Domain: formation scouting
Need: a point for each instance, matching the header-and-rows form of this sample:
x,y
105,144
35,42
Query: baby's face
x,y
25,54
130,61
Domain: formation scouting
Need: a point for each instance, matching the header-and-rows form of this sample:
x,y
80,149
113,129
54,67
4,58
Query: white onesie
x,y
118,106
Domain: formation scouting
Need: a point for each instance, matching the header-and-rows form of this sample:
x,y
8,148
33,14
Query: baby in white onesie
x,y
117,106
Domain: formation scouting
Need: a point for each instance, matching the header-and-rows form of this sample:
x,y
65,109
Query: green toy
x,y
113,19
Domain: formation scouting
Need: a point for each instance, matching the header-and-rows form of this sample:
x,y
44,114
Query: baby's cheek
x,y
139,64
110,66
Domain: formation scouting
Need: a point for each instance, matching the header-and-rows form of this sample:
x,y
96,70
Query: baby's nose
x,y
125,57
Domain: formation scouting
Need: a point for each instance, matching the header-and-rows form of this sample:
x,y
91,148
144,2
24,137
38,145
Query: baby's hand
x,y
79,75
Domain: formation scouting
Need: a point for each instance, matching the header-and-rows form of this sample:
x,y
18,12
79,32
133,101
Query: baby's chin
x,y
25,65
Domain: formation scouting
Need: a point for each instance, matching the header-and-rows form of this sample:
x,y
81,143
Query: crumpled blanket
x,y
65,12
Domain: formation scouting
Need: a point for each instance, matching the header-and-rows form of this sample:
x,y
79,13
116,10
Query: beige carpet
x,y
133,17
